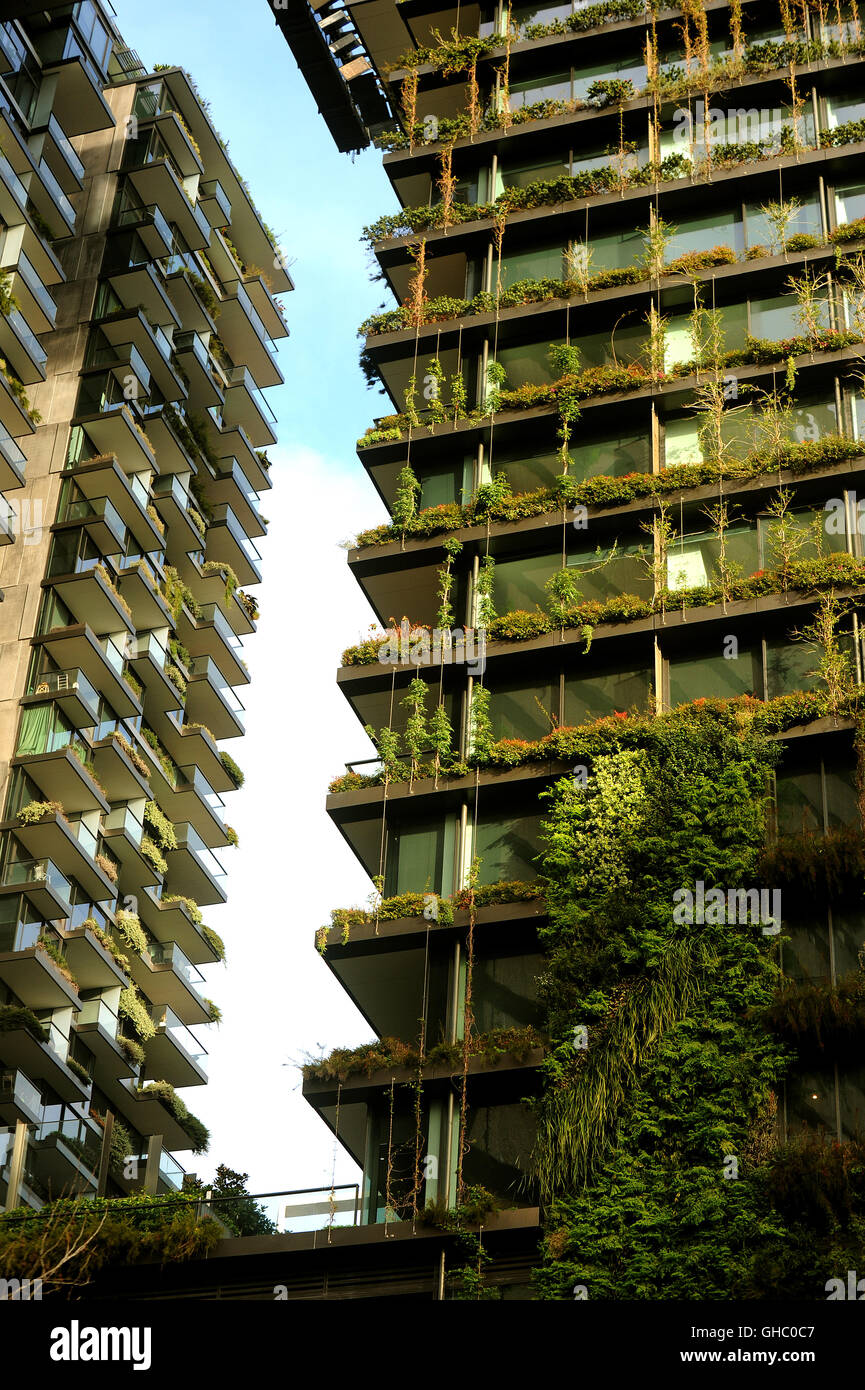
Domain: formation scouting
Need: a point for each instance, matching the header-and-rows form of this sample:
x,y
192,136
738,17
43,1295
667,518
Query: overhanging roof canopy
x,y
328,50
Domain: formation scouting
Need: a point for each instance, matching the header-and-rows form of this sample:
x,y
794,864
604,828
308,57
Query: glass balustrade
x,y
21,872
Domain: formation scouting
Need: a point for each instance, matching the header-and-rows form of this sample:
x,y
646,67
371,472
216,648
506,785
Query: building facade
x,y
622,461
138,326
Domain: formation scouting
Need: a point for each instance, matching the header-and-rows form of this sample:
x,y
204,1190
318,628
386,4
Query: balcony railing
x,y
167,1022
59,198
21,873
92,509
61,140
13,183
34,284
97,1011
73,682
17,1089
19,936
123,818
169,953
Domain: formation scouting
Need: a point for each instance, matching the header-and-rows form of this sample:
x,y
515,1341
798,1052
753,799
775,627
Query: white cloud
x,y
278,997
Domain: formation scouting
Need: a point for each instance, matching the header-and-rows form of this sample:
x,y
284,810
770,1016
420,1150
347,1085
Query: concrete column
x,y
151,1172
16,1166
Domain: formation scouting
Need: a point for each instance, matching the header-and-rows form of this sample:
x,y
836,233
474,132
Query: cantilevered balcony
x,y
193,870
190,798
214,203
229,485
94,514
210,700
89,596
174,1054
211,588
101,660
13,462
71,691
137,280
97,1026
127,379
151,662
150,1115
138,580
206,382
19,1098
21,348
78,103
210,634
42,1059
174,139
123,833
110,422
63,1157
168,431
48,142
27,286
172,921
121,777
232,441
61,774
268,310
245,337
33,976
167,977
54,838
41,882
246,407
15,417
151,345
13,50
46,195
228,542
187,290
128,493
13,194
90,963
183,520
151,227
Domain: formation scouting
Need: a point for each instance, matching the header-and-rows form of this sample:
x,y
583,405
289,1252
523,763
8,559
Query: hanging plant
x,y
416,734
445,618
404,506
440,738
480,725
485,588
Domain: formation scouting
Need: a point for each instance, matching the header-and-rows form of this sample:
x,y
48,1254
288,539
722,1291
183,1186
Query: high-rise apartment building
x,y
137,331
624,370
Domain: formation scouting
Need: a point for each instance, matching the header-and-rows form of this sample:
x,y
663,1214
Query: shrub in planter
x,y
215,940
161,826
519,626
36,811
108,867
14,1016
153,854
701,260
129,927
802,241
132,1008
81,1072
193,1127
231,767
52,950
133,1050
191,907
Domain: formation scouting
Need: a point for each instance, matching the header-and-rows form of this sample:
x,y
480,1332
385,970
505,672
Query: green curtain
x,y
36,723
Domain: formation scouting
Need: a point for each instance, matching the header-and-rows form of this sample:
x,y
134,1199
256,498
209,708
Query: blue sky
x,y
279,1000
